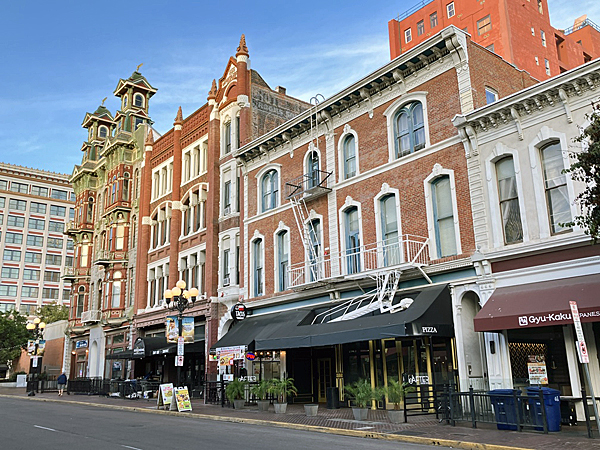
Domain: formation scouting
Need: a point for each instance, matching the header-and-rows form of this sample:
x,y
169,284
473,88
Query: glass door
x,y
324,378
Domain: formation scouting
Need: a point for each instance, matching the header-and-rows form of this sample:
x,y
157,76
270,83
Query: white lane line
x,y
132,448
44,428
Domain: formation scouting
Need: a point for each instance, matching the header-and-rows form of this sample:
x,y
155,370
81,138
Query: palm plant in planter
x,y
362,394
261,390
281,389
235,392
395,393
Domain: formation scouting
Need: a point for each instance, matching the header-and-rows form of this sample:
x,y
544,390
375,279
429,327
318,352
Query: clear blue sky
x,y
60,58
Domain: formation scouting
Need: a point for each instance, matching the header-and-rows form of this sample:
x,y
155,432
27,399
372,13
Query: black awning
x,y
430,314
171,349
126,354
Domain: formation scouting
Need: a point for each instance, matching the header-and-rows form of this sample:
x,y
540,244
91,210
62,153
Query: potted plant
x,y
362,394
395,393
261,390
281,389
235,392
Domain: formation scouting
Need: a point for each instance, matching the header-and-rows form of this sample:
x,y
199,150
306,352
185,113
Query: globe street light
x,y
179,299
37,330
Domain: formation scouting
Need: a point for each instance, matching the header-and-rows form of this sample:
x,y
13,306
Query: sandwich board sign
x,y
181,399
165,395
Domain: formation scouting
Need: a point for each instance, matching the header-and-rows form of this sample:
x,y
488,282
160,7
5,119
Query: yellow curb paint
x,y
294,426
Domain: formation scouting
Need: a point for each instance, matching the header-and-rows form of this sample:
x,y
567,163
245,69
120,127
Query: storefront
x,y
414,344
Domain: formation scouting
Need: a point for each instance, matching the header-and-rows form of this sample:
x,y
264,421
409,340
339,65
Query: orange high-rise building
x,y
518,31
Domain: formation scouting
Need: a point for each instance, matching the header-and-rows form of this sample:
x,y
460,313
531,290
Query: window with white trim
x,y
407,35
443,216
508,197
258,267
349,156
409,129
269,190
450,9
555,187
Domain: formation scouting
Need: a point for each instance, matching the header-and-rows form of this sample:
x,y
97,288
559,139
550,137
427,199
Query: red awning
x,y
541,304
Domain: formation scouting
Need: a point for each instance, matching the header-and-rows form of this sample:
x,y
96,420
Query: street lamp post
x,y
37,330
179,299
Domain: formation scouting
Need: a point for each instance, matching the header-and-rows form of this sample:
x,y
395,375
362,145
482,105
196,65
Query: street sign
x,y
582,352
180,345
179,361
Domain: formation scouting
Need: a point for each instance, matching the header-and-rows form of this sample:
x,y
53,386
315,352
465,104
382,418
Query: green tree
x,y
52,313
13,336
586,168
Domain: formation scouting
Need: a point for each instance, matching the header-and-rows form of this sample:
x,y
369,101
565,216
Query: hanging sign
x,y
31,347
250,356
188,329
41,347
238,311
172,329
165,394
181,399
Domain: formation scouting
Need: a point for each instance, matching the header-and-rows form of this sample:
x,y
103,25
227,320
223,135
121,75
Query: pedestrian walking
x,y
62,382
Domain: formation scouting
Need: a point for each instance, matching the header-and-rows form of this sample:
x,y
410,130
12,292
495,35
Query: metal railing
x,y
305,184
579,26
412,10
89,386
407,250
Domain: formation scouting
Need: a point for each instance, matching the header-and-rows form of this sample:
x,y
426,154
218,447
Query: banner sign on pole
x,y
172,331
188,329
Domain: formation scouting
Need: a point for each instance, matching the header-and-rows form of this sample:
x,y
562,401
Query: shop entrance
x,y
324,378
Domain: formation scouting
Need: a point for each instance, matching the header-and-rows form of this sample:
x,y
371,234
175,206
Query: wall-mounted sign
x,y
429,330
139,348
81,344
238,311
250,356
536,368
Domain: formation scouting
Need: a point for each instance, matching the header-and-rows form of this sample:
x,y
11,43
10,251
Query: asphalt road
x,y
57,426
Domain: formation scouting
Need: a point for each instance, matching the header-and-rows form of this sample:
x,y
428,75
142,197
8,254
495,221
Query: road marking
x,y
132,448
44,428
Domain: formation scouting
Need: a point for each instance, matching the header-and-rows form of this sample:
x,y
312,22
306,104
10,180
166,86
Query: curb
x,y
319,429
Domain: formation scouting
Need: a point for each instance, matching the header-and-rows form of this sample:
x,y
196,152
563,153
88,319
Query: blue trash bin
x,y
552,404
505,408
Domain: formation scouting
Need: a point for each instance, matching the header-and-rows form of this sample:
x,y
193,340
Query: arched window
x,y
258,267
116,291
352,240
409,129
389,231
90,210
124,101
314,256
270,190
349,155
312,169
283,259
138,100
443,217
227,137
126,186
555,185
103,132
80,301
509,200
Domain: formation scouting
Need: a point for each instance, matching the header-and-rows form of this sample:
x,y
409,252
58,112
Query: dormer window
x,y
103,132
138,100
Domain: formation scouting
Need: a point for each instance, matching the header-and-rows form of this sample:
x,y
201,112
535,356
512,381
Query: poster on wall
x,y
226,355
181,399
172,331
165,395
188,330
536,367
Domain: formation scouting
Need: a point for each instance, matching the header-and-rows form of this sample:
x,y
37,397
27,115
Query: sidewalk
x,y
420,429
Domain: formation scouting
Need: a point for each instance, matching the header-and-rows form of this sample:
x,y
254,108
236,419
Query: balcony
x,y
72,227
405,253
91,316
103,258
308,186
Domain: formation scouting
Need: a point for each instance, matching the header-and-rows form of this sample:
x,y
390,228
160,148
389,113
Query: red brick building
x,y
518,31
358,229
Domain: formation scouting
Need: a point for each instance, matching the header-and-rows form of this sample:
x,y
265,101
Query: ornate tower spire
x,y
179,118
212,94
242,49
149,138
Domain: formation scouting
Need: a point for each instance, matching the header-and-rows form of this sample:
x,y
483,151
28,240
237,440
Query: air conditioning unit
x,y
226,281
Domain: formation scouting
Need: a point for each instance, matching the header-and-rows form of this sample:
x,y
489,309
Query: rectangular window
x,y
532,31
32,257
10,272
18,205
547,66
58,211
70,244
420,27
490,95
36,224
3,185
540,7
444,217
2,202
13,238
407,35
509,201
21,188
59,194
53,260
1,219
56,227
55,242
450,9
555,185
49,293
227,136
8,291
34,240
258,268
15,221
30,292
40,191
12,255
484,25
51,276
537,61
543,35
66,294
68,261
71,214
38,208
227,197
31,274
433,20
283,257
226,272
